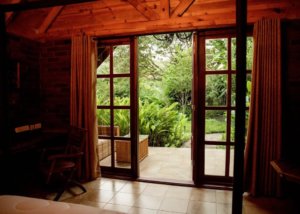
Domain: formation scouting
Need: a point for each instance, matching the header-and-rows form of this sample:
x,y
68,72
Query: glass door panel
x,y
114,107
217,103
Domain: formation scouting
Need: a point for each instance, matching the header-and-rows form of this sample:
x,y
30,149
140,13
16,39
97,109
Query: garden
x,y
165,89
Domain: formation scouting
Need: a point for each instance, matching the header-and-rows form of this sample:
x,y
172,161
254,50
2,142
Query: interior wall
x,y
55,66
291,90
24,81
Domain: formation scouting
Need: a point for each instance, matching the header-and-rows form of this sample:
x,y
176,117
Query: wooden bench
x,y
104,145
123,149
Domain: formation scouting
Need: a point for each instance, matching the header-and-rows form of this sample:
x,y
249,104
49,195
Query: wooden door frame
x,y
112,171
199,108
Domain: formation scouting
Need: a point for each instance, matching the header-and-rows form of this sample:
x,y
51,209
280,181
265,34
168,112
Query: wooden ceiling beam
x,y
39,4
165,9
146,11
10,15
181,8
54,12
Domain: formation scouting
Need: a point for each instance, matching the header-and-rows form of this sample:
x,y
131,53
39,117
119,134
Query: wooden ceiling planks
x,y
164,9
143,8
127,17
181,8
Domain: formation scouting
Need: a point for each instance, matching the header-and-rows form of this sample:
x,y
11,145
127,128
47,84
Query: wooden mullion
x,y
218,143
111,89
134,108
228,115
217,108
201,105
217,72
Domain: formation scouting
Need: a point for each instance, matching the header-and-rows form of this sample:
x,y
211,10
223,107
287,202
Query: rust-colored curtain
x,y
264,128
83,99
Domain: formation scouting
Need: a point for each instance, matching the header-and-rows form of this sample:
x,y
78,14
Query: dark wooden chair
x,y
65,161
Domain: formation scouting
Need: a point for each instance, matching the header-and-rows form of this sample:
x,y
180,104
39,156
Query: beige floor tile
x,y
166,212
96,184
198,207
224,209
157,190
133,187
99,196
117,208
148,202
124,199
113,185
205,195
174,205
179,192
93,203
224,196
137,210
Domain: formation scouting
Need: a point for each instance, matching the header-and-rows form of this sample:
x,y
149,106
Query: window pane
x,y
216,54
121,59
215,125
248,92
249,54
103,117
231,162
122,120
247,121
233,53
232,127
123,153
215,160
233,89
103,60
216,90
104,152
122,91
103,91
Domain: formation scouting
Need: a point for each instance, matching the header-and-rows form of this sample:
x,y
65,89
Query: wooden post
x,y
3,83
241,28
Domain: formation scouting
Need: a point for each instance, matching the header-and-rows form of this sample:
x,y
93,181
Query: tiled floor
x,y
175,163
139,197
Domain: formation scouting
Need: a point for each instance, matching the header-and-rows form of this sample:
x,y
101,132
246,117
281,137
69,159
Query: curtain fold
x,y
265,118
83,99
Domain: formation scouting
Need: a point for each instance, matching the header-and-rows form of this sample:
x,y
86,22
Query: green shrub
x,y
165,125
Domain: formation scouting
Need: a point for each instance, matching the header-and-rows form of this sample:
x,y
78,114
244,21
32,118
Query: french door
x,y
214,105
117,107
